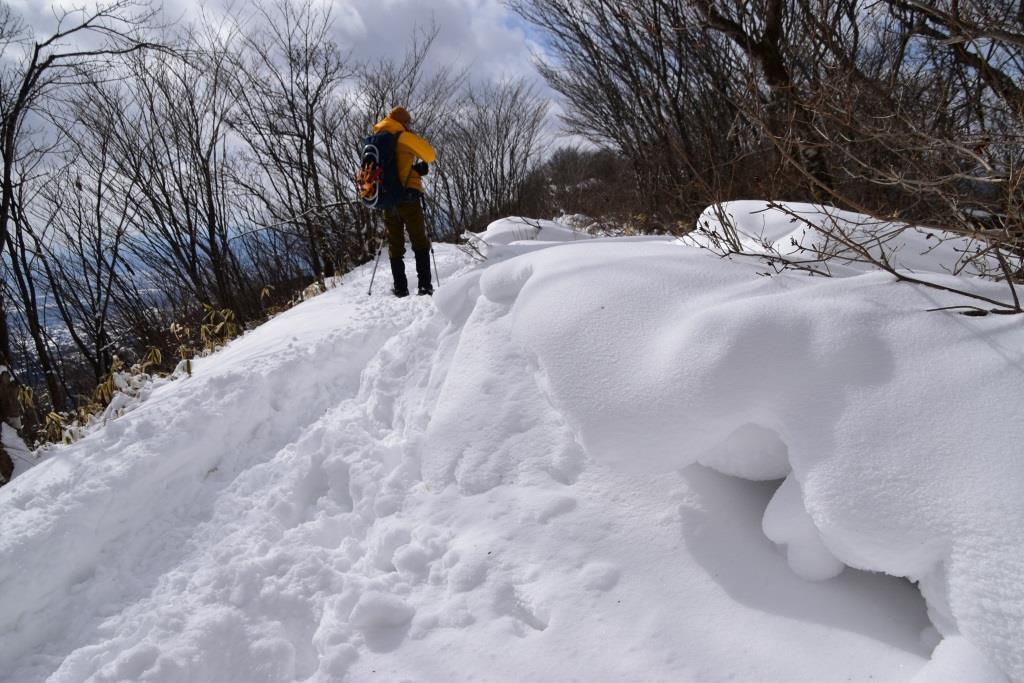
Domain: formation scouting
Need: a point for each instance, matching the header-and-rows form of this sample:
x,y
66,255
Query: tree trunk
x,y
10,412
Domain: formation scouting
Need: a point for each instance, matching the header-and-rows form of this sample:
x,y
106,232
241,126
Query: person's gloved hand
x,y
421,167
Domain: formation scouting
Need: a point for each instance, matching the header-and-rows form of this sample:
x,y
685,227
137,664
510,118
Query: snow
x,y
582,459
791,229
508,230
787,523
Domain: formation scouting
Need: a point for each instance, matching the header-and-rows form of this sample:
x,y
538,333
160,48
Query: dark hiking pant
x,y
407,216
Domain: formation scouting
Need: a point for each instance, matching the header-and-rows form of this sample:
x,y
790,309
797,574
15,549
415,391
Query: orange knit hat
x,y
400,114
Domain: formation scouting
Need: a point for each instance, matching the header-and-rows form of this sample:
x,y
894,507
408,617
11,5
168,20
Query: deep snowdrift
x,y
518,480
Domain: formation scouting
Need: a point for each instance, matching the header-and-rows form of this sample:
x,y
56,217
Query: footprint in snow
x,y
554,508
383,619
508,602
599,576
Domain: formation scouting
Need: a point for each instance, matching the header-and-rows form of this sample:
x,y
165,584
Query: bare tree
x,y
924,122
175,113
590,182
653,81
287,81
26,262
88,206
492,148
79,50
896,108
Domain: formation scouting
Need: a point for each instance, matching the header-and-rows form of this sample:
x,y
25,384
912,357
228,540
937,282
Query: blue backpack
x,y
377,181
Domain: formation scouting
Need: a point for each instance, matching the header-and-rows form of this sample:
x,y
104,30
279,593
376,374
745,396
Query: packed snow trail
x,y
484,486
121,509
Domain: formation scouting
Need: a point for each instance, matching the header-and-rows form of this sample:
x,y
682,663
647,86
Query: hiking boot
x,y
401,287
425,286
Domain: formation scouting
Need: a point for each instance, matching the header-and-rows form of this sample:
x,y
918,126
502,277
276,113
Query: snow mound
x,y
527,234
564,465
899,473
793,229
510,230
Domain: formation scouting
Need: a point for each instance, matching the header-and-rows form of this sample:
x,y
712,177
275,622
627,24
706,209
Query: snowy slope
x,y
563,467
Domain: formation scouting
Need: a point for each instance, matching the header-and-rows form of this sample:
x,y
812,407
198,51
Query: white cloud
x,y
483,36
480,34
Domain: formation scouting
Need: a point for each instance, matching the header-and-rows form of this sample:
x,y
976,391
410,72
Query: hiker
x,y
408,214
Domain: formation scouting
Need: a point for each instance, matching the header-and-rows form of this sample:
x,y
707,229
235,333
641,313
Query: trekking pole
x,y
374,274
437,274
380,248
433,236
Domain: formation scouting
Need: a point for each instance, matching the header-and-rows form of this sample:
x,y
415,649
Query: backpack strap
x,y
405,183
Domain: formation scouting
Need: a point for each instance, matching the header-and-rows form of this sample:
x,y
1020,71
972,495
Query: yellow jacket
x,y
410,146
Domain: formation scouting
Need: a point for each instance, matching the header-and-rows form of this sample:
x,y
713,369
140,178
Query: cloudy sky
x,y
483,34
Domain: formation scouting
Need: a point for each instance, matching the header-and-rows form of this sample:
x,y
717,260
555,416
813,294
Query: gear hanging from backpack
x,y
377,183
